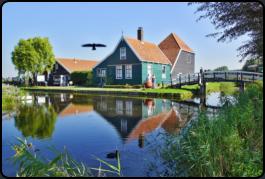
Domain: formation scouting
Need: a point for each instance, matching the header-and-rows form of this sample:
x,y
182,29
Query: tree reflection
x,y
36,121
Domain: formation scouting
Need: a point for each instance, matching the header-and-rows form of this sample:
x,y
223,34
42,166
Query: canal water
x,y
97,125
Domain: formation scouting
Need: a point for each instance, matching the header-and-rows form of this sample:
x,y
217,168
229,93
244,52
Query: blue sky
x,y
72,24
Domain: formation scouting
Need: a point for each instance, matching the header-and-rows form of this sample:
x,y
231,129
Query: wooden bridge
x,y
202,78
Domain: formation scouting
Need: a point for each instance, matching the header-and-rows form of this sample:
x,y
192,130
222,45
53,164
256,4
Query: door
x,y
149,70
103,73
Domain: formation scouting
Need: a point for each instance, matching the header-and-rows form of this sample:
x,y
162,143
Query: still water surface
x,y
96,125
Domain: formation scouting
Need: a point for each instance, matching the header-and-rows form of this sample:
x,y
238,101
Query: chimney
x,y
74,60
140,34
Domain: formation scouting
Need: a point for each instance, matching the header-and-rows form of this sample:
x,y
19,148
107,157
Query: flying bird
x,y
93,45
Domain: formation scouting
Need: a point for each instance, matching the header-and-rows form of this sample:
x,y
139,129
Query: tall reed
x,y
31,164
229,143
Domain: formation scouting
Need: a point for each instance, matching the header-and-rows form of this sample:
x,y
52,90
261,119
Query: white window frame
x,y
126,71
123,50
164,74
117,71
101,71
151,70
129,108
188,58
98,74
119,107
56,66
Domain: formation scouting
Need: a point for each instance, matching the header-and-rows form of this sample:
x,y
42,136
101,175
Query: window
x,y
119,72
56,66
149,70
188,58
163,71
103,72
119,109
98,72
128,72
123,125
123,53
128,108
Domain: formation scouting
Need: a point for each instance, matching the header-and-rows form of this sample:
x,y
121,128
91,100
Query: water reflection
x,y
37,121
134,118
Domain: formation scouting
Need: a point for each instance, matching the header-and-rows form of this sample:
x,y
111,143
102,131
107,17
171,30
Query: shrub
x,y
137,86
79,77
89,83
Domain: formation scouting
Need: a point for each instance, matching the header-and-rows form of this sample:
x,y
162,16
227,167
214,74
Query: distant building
x,y
60,75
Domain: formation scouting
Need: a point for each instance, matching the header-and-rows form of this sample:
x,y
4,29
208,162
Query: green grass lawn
x,y
185,89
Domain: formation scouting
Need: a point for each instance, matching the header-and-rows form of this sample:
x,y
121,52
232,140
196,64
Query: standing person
x,y
153,81
147,78
30,81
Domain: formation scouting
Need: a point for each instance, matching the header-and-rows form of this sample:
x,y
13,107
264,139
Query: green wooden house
x,y
131,61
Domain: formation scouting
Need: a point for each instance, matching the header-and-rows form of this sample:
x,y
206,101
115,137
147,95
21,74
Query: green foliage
x,y
117,86
81,76
228,143
236,19
137,86
33,55
222,68
226,85
250,62
31,164
36,121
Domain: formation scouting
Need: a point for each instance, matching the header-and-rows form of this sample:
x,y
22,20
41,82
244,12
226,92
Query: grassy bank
x,y
228,144
9,101
184,91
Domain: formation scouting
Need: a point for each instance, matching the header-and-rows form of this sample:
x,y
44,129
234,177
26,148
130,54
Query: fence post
x,y
189,78
253,77
162,84
171,82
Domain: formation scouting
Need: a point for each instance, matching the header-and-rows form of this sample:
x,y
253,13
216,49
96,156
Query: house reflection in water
x,y
133,117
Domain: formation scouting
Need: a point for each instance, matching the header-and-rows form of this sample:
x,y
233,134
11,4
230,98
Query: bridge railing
x,y
184,79
232,76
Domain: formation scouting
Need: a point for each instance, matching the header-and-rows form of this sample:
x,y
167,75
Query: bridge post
x,y
241,87
162,84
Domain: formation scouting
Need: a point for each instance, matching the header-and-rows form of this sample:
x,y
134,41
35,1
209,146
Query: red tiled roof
x,y
182,44
80,65
147,51
75,109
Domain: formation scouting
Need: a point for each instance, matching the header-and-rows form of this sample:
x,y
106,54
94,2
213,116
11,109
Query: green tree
x,y
36,121
250,62
33,56
236,19
222,68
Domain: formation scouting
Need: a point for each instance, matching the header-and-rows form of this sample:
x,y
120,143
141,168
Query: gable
x,y
170,48
147,51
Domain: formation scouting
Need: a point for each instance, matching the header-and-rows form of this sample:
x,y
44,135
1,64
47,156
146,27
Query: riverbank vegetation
x,y
229,143
32,164
9,101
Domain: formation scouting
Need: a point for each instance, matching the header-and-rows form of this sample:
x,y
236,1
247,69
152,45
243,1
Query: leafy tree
x,y
250,62
36,121
34,56
236,19
222,68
